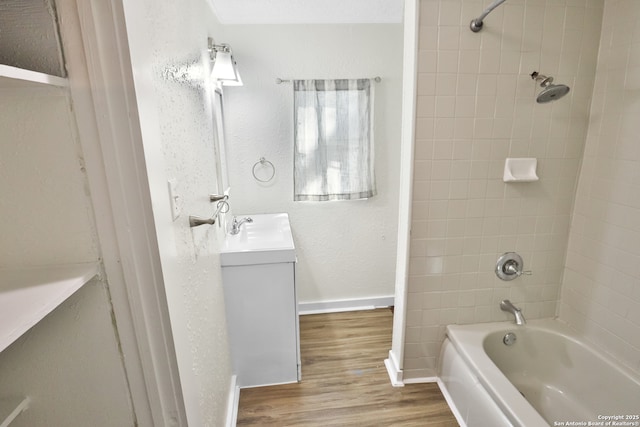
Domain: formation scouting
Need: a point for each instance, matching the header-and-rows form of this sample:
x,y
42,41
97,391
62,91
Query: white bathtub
x,y
548,377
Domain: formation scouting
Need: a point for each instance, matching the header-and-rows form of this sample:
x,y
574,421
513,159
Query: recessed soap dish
x,y
520,169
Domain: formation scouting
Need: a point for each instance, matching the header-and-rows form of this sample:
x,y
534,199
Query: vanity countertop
x,y
266,240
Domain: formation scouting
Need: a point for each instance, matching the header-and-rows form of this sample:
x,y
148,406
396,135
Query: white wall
x,y
346,250
70,366
168,45
46,215
601,286
476,106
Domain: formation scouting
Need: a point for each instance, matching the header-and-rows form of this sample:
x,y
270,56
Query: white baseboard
x,y
232,403
452,406
421,380
345,305
395,373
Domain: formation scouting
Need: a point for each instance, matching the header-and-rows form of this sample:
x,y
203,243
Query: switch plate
x,y
174,199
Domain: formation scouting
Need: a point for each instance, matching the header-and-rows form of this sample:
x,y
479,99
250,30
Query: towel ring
x,y
264,162
223,206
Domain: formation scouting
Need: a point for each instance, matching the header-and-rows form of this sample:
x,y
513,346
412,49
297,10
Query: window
x,y
333,140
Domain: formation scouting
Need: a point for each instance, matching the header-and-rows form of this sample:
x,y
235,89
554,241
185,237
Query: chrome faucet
x,y
235,224
507,306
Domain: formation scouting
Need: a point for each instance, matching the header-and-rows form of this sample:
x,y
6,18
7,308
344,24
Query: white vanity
x,y
258,273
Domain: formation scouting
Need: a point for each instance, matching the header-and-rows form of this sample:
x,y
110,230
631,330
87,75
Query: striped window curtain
x,y
333,147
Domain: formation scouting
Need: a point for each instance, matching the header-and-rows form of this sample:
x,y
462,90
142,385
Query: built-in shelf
x,y
16,78
10,408
28,295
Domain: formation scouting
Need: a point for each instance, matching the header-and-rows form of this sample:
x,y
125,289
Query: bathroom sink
x,y
266,240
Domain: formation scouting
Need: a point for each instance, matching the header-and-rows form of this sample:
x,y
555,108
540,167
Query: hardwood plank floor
x,y
344,381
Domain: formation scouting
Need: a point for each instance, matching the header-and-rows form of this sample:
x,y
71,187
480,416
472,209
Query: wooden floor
x,y
344,381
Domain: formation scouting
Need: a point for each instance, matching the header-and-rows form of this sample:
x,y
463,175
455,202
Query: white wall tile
x,y
601,273
484,110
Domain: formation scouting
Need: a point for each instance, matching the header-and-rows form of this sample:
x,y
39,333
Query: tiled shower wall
x,y
601,286
476,107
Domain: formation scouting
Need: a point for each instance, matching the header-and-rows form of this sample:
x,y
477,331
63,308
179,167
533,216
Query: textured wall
x,y
308,12
601,287
29,36
168,43
476,107
345,249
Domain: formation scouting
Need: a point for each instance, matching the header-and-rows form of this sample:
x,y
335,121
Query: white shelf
x,y
28,295
16,78
10,408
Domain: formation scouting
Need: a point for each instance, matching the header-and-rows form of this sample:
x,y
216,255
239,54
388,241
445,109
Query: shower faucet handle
x,y
218,197
510,266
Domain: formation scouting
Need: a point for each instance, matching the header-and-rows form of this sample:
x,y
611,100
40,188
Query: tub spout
x,y
507,306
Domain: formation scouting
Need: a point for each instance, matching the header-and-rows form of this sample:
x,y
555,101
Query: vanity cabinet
x,y
258,274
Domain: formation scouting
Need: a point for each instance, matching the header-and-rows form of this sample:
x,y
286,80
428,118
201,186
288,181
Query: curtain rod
x,y
279,81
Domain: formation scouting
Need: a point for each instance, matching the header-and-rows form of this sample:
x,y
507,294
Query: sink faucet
x,y
507,306
235,224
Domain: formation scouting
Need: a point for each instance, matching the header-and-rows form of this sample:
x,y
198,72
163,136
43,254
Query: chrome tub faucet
x,y
507,306
235,224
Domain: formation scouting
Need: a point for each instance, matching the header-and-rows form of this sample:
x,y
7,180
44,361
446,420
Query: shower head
x,y
550,92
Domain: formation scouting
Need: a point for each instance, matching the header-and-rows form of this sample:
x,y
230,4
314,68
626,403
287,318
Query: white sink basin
x,y
266,240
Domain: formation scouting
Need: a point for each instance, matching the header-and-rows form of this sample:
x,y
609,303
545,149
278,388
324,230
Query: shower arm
x,y
544,80
476,24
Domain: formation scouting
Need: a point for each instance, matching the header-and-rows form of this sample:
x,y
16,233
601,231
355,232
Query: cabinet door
x,y
261,314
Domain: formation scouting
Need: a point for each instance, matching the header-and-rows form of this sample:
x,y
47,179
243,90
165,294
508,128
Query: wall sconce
x,y
225,69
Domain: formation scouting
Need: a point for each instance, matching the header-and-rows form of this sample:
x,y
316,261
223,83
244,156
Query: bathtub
x,y
547,377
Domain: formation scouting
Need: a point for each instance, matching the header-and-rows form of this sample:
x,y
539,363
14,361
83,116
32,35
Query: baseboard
x,y
421,380
232,403
452,406
344,305
395,373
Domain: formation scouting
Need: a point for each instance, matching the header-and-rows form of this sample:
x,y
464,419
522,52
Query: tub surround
x,y
476,107
601,287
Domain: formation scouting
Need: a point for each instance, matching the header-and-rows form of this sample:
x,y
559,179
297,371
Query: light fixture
x,y
225,69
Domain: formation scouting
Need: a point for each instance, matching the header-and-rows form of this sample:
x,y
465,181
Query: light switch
x,y
174,199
